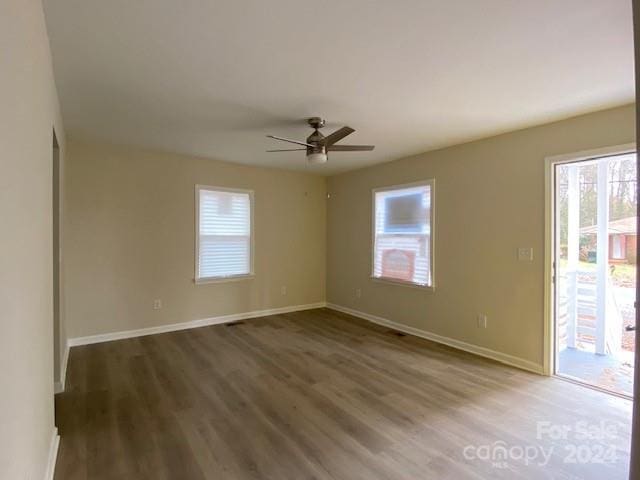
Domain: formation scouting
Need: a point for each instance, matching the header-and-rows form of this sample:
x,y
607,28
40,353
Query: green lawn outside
x,y
622,274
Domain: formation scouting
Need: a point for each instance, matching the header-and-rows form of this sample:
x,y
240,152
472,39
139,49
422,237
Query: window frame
x,y
392,281
223,278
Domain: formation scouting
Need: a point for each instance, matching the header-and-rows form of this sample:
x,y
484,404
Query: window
x,y
224,233
402,234
619,245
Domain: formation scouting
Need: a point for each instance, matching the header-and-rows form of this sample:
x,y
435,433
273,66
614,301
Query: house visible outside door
x,y
594,269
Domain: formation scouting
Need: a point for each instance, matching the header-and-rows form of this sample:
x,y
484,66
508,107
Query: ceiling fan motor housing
x,y
316,154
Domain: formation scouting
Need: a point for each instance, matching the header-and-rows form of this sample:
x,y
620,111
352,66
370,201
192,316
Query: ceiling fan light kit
x,y
316,158
318,146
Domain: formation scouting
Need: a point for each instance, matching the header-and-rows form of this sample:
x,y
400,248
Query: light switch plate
x,y
525,254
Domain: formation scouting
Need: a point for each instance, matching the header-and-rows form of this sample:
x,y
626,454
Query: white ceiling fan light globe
x,y
317,158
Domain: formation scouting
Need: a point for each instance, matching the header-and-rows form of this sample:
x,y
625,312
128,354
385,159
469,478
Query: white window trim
x,y
392,281
227,278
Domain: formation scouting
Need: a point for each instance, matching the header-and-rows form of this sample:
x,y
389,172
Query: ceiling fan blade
x,y
350,148
290,141
288,150
337,136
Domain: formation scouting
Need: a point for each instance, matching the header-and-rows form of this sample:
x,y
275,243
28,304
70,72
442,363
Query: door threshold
x,y
582,383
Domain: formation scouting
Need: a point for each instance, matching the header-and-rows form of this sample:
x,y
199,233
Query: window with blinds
x,y
224,229
402,236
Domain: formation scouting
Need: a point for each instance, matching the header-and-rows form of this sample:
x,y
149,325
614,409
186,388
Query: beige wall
x,y
489,200
129,236
29,110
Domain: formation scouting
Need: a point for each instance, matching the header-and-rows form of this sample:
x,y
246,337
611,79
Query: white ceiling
x,y
212,78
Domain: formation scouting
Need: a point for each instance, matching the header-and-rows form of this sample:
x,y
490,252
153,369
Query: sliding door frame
x,y
549,350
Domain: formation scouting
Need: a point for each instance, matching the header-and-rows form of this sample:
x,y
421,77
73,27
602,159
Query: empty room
x,y
327,240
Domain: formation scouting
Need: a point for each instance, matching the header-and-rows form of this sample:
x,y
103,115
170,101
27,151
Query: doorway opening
x,y
594,270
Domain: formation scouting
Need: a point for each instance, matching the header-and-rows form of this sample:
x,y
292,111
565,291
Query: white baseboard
x,y
204,322
452,342
60,384
53,455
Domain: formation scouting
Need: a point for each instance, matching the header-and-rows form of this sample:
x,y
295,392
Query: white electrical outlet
x,y
283,290
482,320
157,304
358,293
525,254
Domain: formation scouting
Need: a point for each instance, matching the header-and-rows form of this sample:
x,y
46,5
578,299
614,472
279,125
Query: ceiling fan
x,y
317,145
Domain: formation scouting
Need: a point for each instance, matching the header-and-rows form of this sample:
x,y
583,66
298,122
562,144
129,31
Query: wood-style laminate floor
x,y
322,395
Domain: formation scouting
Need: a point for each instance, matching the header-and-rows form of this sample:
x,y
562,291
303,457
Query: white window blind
x,y
224,233
403,234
